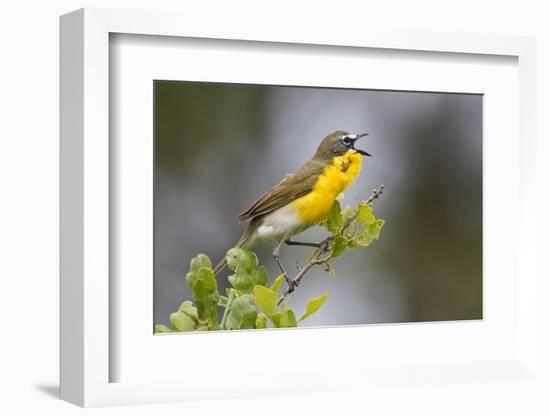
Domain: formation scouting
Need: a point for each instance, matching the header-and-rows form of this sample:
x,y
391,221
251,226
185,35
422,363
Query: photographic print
x,y
284,206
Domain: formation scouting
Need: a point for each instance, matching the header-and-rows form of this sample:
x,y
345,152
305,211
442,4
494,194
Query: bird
x,y
303,198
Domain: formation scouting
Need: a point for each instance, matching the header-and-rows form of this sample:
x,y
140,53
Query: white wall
x,y
29,209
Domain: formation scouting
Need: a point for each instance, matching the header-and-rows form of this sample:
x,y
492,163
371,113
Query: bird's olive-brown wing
x,y
292,187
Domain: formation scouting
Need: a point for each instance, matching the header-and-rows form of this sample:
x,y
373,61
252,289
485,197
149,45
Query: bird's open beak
x,y
359,150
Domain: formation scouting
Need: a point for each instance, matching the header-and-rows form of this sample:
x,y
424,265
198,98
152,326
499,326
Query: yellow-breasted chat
x,y
303,198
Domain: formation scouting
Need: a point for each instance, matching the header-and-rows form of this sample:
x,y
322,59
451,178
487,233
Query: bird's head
x,y
339,143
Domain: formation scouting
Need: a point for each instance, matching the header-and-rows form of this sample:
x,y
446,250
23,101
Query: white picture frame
x,y
86,165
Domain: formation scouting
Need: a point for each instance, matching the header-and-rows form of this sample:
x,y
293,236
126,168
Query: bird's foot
x,y
291,283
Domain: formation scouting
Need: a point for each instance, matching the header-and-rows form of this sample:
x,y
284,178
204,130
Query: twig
x,y
375,194
323,254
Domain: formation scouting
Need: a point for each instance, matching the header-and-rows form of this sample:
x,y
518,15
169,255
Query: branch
x,y
324,253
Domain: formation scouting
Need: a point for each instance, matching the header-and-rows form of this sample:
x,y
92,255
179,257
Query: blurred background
x,y
219,146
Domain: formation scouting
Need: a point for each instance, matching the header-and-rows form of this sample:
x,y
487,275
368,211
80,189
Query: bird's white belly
x,y
281,223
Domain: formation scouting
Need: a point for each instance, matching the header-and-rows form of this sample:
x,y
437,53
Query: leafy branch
x,y
250,303
338,224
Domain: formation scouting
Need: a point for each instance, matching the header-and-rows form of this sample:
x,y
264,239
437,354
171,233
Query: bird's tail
x,y
243,242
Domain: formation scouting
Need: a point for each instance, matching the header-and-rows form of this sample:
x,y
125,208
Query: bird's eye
x,y
346,140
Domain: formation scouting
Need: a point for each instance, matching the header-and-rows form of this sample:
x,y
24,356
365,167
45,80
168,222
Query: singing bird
x,y
304,198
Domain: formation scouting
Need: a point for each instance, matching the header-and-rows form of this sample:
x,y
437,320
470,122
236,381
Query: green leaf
x,y
241,314
365,214
266,299
347,212
314,305
162,329
205,294
371,227
241,258
261,277
182,322
353,243
277,283
363,239
339,246
334,220
188,308
285,319
288,319
375,228
247,274
197,263
261,321
202,281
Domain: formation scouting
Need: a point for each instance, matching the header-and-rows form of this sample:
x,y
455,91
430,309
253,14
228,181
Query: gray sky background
x,y
219,146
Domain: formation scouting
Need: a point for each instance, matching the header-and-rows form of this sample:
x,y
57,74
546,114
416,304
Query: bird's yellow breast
x,y
336,177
